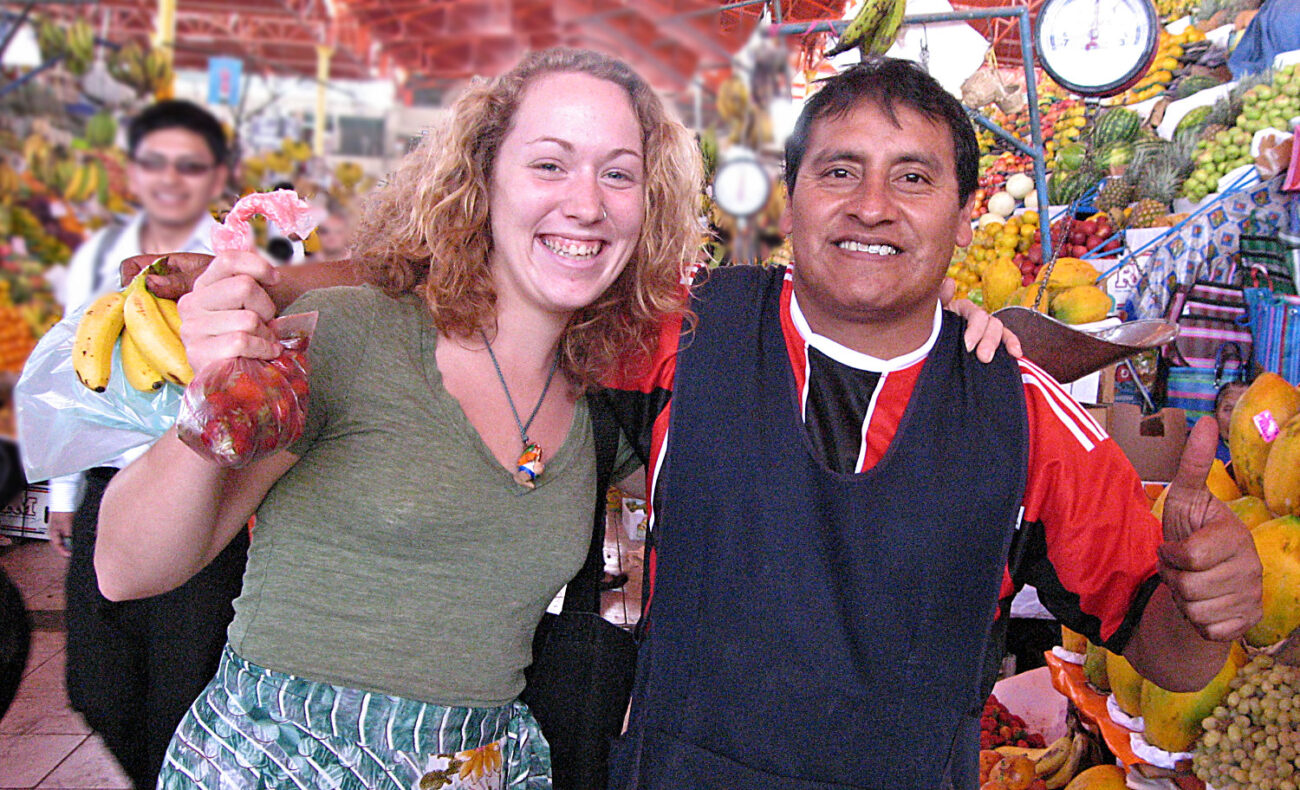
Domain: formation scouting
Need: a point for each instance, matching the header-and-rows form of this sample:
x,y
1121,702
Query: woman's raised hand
x,y
225,315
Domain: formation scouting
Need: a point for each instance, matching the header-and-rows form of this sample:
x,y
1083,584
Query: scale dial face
x,y
1096,47
741,187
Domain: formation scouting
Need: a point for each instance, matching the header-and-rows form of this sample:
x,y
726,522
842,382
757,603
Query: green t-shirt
x,y
397,555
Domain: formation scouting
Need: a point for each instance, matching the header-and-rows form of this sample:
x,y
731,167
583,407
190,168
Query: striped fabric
x,y
257,728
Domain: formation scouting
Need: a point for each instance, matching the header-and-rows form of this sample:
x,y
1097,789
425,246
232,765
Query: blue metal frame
x,y
1021,14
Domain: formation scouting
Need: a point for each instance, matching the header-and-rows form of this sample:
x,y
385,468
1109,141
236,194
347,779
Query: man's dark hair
x,y
1224,390
179,114
888,83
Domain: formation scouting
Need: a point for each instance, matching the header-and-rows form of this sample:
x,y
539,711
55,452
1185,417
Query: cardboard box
x,y
1152,443
28,515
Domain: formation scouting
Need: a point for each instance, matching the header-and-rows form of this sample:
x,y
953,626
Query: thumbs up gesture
x,y
1208,559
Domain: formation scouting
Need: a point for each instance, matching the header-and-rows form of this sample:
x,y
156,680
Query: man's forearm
x,y
300,278
1167,650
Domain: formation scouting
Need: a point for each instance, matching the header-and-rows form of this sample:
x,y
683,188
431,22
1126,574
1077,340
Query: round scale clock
x,y
741,185
1096,48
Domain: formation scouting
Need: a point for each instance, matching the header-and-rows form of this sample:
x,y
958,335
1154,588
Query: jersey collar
x,y
856,359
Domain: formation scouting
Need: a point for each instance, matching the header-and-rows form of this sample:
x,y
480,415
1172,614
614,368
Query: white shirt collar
x,y
200,239
856,359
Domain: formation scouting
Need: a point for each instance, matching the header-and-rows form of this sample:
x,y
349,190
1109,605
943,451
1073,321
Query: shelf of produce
x,y
1068,679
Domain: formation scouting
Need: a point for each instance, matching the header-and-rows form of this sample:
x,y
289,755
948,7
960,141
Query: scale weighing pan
x,y
1068,353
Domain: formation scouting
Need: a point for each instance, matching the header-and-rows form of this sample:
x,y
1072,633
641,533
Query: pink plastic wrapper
x,y
244,409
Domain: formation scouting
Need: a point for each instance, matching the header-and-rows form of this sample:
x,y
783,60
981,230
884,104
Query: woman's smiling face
x,y
567,194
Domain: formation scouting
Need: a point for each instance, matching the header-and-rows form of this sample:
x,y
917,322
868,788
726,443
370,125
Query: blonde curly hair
x,y
428,228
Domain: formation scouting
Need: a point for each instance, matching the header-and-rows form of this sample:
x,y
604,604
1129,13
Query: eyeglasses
x,y
184,167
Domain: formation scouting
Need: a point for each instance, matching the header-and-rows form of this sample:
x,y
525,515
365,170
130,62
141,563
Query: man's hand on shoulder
x,y
984,333
1208,559
183,269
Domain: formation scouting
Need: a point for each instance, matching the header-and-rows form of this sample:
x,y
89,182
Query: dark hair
x,y
178,114
1224,390
888,83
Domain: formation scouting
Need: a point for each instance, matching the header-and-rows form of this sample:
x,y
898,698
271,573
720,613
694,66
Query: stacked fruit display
x,y
1271,103
74,43
1243,724
1252,740
16,336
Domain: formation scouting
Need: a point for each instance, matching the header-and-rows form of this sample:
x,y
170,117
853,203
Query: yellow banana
x,y
170,313
139,373
1051,760
1062,776
160,346
92,347
864,25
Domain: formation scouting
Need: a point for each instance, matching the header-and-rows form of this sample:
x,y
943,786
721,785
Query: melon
x,y
1278,544
1282,471
1265,407
1173,719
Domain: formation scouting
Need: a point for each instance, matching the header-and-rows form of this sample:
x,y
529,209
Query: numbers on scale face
x,y
1094,42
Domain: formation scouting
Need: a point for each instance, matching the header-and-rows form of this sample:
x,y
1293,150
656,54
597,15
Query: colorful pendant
x,y
529,465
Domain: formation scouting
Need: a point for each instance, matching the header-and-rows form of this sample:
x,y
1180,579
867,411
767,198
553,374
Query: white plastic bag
x,y
64,427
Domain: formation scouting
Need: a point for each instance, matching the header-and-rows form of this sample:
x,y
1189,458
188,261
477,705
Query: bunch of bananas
x,y
1056,764
89,179
148,72
296,150
51,39
149,330
873,29
80,47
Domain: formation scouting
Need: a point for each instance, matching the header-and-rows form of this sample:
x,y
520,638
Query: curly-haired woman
x,y
407,545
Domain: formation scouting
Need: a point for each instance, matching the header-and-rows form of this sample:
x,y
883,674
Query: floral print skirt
x,y
256,728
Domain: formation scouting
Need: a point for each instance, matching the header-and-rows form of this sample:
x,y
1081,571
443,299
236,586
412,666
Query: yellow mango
x,y
1173,719
1081,304
1251,510
1125,684
1278,544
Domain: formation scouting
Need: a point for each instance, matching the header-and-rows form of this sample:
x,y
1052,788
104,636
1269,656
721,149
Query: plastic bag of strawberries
x,y
244,409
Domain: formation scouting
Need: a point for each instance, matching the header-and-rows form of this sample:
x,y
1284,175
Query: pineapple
x,y
1158,171
1115,193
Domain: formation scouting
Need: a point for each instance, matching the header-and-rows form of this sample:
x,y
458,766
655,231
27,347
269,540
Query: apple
x,y
1094,241
1078,250
1078,236
1089,227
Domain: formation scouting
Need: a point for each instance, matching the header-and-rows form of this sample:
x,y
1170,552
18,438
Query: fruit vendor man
x,y
845,499
133,668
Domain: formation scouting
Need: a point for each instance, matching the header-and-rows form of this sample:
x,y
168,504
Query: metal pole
x,y
1035,127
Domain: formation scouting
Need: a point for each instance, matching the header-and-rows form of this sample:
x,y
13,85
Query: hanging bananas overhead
x,y
873,28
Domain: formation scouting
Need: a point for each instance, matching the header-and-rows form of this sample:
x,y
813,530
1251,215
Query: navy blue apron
x,y
813,629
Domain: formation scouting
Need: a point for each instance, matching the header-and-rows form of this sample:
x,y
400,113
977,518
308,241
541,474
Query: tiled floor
x,y
45,744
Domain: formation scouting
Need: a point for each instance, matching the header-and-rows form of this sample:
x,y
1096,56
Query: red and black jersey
x,y
1087,539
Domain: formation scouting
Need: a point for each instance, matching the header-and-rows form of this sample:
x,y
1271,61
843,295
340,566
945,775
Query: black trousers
x,y
134,667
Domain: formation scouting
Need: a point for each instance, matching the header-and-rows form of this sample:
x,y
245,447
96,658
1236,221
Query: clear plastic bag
x,y
63,427
245,409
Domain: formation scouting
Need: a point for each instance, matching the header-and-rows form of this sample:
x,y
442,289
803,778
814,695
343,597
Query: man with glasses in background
x,y
134,667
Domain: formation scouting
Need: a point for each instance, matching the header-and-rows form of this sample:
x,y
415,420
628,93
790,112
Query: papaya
x,y
1068,272
1001,279
1282,471
1073,641
1251,510
1094,667
1024,297
1173,719
1081,304
1265,407
1278,545
1125,684
1099,777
